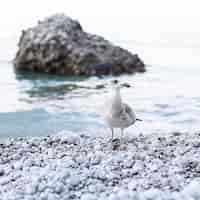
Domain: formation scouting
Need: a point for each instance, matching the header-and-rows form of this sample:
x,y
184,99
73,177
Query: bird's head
x,y
117,85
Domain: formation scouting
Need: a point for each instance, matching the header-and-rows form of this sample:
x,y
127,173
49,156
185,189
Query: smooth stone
x,y
88,197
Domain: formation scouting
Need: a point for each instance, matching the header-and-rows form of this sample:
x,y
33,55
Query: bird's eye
x,y
115,81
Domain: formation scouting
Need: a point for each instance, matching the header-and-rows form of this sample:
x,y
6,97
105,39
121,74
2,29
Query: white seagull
x,y
119,114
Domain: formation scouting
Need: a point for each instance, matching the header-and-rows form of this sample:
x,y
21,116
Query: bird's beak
x,y
125,85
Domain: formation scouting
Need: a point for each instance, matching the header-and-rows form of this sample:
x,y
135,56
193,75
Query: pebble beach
x,y
54,144
72,166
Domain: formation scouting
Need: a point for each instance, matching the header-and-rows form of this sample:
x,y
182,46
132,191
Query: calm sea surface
x,y
166,97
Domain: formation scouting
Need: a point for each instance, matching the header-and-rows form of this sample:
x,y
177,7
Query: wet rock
x,y
59,45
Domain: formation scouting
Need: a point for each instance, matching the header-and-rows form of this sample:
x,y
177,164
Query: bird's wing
x,y
128,112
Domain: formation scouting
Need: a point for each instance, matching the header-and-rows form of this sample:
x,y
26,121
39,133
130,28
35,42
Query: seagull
x,y
119,114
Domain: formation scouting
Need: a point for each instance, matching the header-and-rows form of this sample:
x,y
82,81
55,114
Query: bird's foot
x,y
123,147
115,143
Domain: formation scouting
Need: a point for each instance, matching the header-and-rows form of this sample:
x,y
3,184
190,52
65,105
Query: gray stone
x,y
59,45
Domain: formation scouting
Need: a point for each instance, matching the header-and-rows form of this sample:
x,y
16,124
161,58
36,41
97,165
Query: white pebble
x,y
123,194
113,197
88,196
74,180
193,189
152,194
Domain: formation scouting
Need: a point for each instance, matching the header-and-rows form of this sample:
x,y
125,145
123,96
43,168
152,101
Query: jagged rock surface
x,y
59,45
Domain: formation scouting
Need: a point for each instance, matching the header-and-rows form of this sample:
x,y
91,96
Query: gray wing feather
x,y
129,112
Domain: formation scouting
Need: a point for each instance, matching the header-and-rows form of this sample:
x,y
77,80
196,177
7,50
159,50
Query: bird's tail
x,y
138,120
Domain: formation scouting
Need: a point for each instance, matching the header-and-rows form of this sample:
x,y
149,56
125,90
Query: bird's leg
x,y
112,130
122,133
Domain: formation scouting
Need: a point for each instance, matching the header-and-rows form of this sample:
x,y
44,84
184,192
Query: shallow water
x,y
166,97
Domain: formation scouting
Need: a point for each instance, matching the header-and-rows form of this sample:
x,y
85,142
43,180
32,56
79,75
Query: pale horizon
x,y
147,24
137,19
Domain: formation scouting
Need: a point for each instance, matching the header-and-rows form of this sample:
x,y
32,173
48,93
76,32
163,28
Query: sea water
x,y
166,97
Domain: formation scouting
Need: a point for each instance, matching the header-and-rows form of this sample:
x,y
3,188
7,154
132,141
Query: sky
x,y
157,22
108,16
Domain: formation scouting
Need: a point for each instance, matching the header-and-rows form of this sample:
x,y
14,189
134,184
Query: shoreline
x,y
70,166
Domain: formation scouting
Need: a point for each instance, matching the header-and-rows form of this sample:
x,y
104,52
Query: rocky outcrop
x,y
59,45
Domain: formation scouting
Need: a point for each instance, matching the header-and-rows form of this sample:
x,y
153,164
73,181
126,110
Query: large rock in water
x,y
59,45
